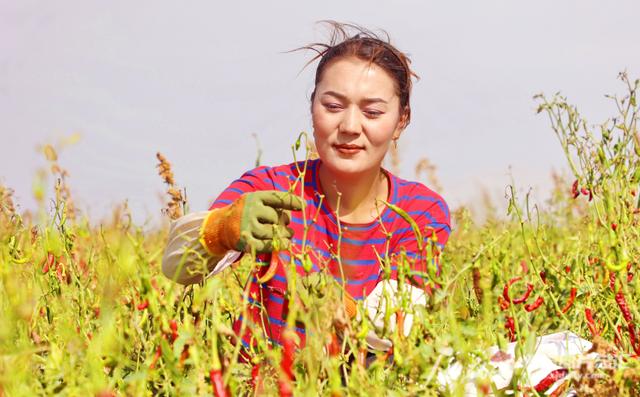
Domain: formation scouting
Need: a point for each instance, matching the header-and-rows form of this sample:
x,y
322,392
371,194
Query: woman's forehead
x,y
356,77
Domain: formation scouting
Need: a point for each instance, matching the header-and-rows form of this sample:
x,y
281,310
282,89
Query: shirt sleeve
x,y
431,215
258,179
185,259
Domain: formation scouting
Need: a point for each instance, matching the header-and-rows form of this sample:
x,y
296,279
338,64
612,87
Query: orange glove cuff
x,y
350,305
220,231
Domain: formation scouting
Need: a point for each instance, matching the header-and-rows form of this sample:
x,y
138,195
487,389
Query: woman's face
x,y
356,114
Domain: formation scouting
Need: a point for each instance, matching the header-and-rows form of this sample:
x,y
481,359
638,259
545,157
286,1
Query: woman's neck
x,y
355,198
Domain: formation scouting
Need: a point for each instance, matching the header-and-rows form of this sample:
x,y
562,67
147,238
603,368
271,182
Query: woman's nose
x,y
351,123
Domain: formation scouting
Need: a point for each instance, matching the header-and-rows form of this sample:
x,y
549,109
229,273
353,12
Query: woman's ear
x,y
402,123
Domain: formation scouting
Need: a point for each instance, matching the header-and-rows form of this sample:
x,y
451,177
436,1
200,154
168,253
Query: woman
x,y
359,107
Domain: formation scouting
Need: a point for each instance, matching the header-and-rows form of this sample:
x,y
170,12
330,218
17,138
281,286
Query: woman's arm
x,y
430,214
204,242
185,259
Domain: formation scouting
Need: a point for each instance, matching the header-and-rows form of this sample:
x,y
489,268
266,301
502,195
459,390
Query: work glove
x,y
254,221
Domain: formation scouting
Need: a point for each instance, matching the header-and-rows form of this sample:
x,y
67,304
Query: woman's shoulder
x,y
415,196
294,169
263,177
407,190
280,176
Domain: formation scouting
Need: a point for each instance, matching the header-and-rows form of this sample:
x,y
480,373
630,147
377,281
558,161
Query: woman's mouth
x,y
348,148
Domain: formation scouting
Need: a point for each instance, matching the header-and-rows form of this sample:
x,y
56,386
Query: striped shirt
x,y
352,257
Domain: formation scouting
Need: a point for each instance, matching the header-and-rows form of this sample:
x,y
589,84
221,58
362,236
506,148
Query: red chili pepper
x,y
572,297
477,289
614,226
362,357
285,386
400,322
624,308
61,273
83,267
524,296
272,269
154,284
536,304
524,267
48,262
543,276
510,326
617,336
633,339
584,191
333,347
143,305
215,375
550,379
626,313
485,389
256,380
173,325
389,354
156,357
184,355
590,322
504,305
567,269
505,290
574,189
612,281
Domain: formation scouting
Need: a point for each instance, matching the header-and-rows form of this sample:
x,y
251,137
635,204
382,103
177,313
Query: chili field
x,y
85,309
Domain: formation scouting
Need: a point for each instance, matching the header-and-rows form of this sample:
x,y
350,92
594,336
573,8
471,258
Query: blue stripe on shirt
x,y
308,243
336,236
372,277
235,190
276,299
287,258
360,262
281,323
430,199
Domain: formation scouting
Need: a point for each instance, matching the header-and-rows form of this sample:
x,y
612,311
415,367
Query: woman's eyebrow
x,y
344,98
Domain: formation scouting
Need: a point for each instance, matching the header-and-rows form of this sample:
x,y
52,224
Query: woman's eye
x,y
332,106
372,113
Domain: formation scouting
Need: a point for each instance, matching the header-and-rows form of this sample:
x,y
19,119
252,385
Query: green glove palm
x,y
255,221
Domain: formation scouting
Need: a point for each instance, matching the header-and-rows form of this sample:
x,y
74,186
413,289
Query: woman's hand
x,y
255,221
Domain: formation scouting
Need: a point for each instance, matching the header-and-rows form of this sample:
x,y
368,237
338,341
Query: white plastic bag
x,y
539,369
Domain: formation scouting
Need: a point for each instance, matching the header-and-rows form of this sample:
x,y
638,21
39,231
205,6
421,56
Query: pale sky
x,y
194,80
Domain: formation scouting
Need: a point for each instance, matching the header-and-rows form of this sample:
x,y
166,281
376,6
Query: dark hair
x,y
353,40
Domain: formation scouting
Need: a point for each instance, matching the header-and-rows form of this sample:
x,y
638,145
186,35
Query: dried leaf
x,y
50,153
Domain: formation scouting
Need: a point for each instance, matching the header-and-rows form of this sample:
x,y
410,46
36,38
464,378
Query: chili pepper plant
x,y
85,309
